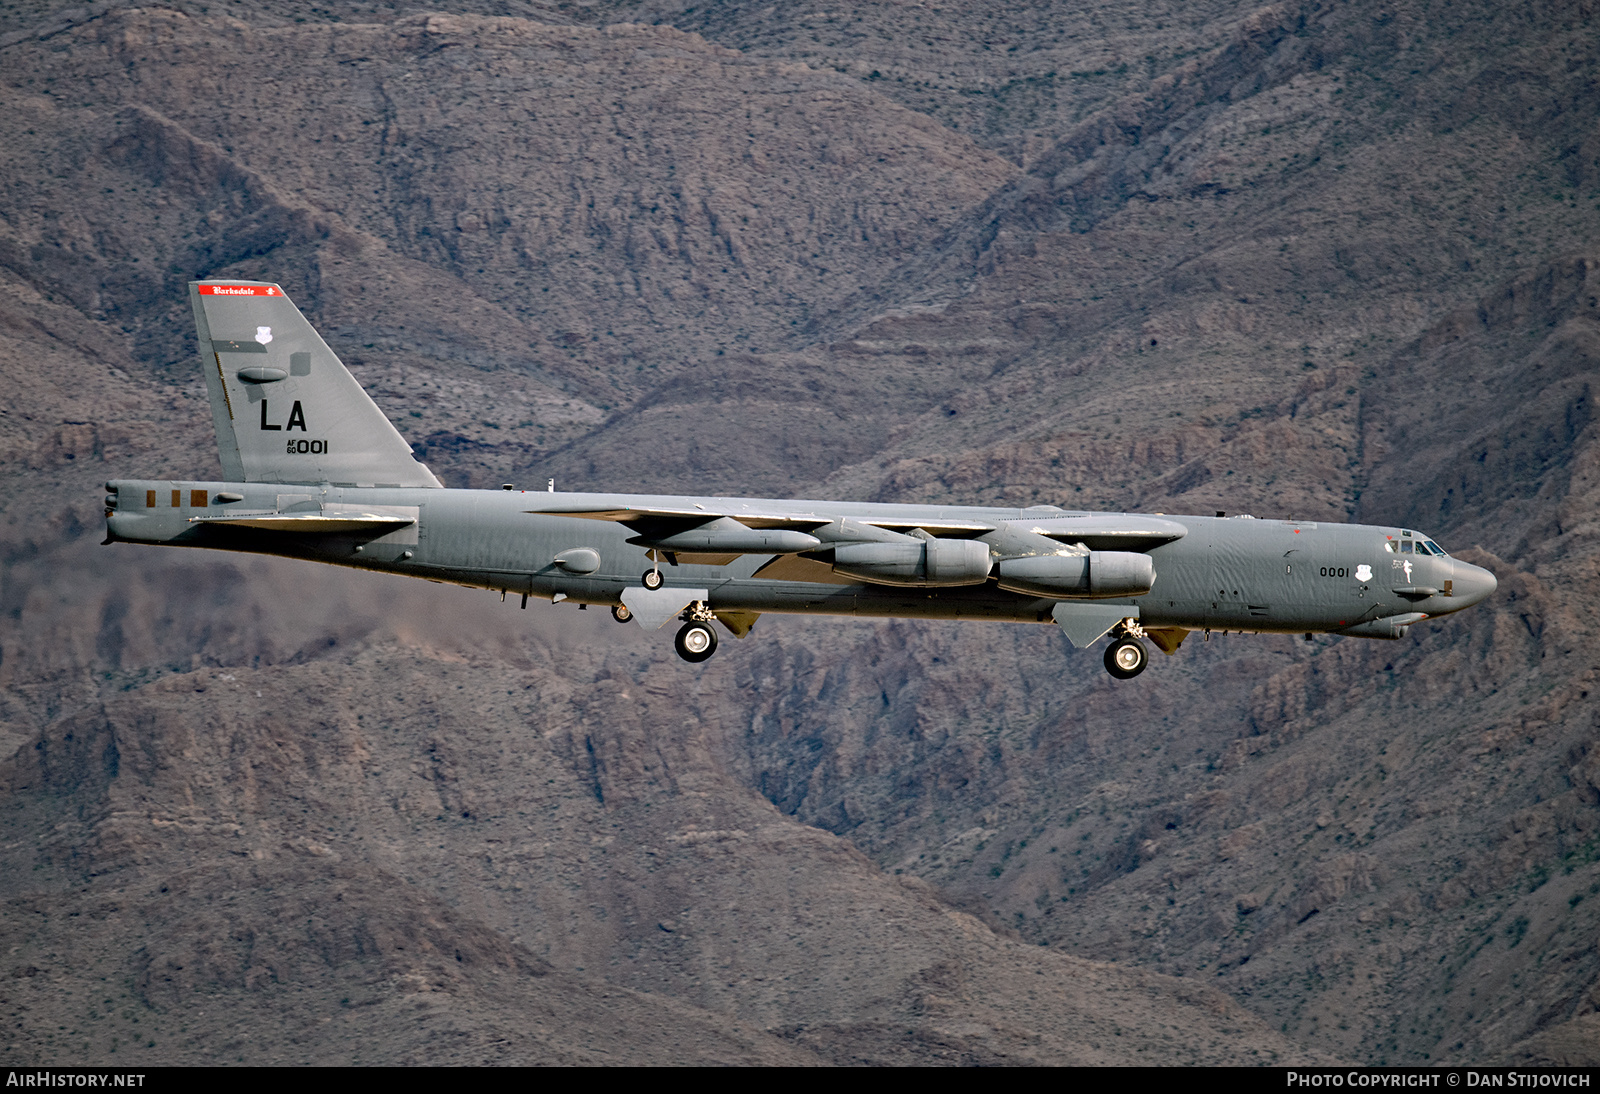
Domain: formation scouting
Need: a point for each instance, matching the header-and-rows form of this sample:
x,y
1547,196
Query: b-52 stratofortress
x,y
314,470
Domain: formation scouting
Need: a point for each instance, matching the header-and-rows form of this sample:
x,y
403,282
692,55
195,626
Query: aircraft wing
x,y
758,519
715,535
1106,531
935,527
667,514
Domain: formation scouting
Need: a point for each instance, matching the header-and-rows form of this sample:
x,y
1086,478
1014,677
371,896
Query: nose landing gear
x,y
1126,657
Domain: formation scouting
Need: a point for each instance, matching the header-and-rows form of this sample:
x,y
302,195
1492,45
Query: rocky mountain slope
x,y
1296,260
308,864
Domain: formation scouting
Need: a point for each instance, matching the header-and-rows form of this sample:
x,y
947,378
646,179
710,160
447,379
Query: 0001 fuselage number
x,y
1362,572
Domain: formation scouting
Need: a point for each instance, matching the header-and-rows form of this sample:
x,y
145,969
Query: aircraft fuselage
x,y
1228,574
319,472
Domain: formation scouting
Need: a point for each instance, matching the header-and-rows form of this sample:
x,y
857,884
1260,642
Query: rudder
x,y
285,407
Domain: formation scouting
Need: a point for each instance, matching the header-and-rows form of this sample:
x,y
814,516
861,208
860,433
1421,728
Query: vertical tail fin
x,y
285,407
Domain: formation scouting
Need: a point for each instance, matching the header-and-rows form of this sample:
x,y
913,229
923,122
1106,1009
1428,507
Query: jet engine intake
x,y
930,562
1096,574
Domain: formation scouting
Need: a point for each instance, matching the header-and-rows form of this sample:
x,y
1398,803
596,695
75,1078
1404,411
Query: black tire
x,y
652,579
621,613
695,642
1126,658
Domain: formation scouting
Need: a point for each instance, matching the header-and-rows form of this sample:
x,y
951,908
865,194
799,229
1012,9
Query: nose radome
x,y
1472,583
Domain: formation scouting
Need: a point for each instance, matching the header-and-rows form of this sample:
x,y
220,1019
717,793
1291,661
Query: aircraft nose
x,y
1472,583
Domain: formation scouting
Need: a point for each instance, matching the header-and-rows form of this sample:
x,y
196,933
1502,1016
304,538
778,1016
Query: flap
x,y
800,568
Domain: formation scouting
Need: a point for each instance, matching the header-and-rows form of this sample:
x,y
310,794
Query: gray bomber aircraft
x,y
314,470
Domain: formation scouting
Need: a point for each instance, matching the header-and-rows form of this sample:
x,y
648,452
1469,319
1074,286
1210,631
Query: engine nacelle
x,y
1098,573
915,562
1120,573
1046,575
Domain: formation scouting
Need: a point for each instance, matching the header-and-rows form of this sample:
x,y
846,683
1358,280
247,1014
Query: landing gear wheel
x,y
695,642
652,579
621,613
1126,658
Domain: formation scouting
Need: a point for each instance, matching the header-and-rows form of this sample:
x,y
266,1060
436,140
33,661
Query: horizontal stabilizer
x,y
302,523
330,520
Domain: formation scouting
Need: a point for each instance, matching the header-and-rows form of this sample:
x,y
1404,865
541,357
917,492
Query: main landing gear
x,y
1126,657
697,640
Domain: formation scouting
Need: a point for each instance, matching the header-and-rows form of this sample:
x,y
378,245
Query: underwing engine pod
x,y
1095,574
929,562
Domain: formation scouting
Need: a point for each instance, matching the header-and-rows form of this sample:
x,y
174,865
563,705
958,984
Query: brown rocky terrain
x,y
471,865
1296,260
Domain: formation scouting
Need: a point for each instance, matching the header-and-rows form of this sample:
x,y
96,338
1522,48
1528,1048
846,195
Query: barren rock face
x,y
1290,261
409,856
545,167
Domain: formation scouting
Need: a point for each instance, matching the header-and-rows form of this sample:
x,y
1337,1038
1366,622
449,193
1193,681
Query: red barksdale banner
x,y
240,290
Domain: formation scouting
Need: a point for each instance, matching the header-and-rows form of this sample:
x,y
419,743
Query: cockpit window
x,y
1388,545
1431,547
1405,546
